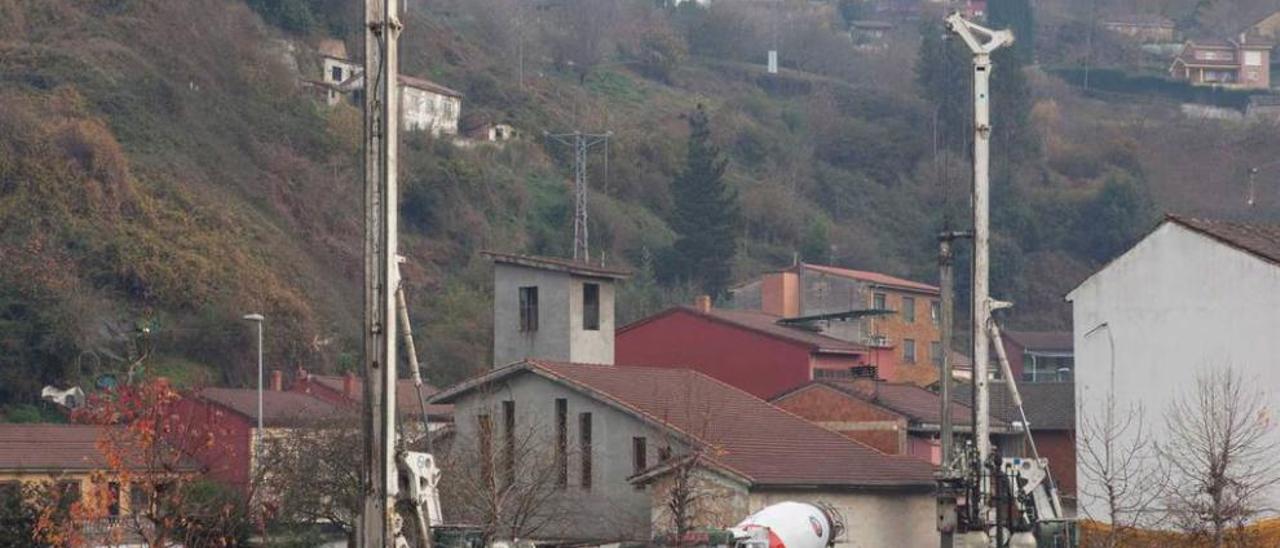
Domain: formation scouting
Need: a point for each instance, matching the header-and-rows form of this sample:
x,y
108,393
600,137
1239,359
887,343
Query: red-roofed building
x,y
747,349
231,414
348,390
898,318
629,426
898,419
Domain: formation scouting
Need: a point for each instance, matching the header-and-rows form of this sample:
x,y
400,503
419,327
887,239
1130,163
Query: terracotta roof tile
x,y
747,436
406,395
1260,239
767,324
278,408
61,447
872,277
428,85
913,402
1049,405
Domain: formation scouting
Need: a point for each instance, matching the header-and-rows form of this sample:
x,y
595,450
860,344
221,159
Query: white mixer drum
x,y
792,525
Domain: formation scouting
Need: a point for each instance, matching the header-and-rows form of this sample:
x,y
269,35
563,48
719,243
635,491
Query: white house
x,y
1193,294
428,106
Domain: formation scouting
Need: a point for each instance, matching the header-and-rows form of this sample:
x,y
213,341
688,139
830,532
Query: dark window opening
x,y
935,352
584,441
486,448
562,442
337,74
113,499
509,442
639,455
878,302
591,307
909,309
909,350
137,499
529,309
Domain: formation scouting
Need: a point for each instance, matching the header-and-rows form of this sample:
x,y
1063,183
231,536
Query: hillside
x,y
160,168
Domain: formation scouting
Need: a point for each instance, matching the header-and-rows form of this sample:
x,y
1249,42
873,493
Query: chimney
x,y
702,303
780,294
349,386
277,380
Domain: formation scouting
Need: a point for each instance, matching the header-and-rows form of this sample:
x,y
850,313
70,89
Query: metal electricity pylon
x,y
581,143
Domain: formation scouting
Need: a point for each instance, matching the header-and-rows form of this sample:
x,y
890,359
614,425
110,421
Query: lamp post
x,y
258,319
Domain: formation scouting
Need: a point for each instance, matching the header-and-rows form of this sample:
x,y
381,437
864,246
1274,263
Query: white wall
x,y
871,520
422,110
1176,303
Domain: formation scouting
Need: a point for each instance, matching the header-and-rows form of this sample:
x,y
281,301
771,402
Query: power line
x,y
581,143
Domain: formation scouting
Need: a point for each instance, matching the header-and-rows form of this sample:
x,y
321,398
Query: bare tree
x,y
505,481
1221,451
686,493
310,473
1117,461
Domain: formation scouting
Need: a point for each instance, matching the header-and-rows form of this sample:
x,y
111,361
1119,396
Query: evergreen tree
x,y
706,213
1011,99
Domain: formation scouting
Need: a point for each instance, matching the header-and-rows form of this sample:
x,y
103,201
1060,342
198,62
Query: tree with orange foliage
x,y
152,451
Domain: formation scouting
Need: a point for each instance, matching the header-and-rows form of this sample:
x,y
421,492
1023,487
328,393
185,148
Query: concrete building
x,y
898,317
552,309
1039,356
745,348
894,418
1238,63
428,106
1191,296
620,431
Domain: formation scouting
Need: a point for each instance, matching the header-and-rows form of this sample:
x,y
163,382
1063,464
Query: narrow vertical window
x,y
909,309
584,442
935,312
639,454
529,309
113,499
909,350
591,307
935,352
562,442
485,434
509,442
878,302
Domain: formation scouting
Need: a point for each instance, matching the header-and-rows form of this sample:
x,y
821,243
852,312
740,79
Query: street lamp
x,y
258,319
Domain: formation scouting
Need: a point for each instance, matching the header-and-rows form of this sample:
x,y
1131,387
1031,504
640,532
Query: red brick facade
x,y
854,418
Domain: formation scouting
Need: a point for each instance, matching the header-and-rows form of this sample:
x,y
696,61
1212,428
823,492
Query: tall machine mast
x,y
985,499
377,524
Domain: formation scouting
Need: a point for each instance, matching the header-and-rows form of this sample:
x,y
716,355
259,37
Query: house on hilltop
x,y
424,105
897,318
1237,63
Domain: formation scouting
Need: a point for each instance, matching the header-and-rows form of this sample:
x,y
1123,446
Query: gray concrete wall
x,y
612,508
591,346
551,340
872,520
1177,305
746,297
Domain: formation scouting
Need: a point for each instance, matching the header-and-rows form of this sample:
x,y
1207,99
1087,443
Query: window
x,y
584,441
639,455
935,353
562,442
935,312
509,442
137,498
113,499
908,350
485,433
591,307
909,309
337,74
1253,58
878,302
68,493
529,309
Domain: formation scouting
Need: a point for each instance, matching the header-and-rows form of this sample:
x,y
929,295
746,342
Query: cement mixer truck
x,y
789,525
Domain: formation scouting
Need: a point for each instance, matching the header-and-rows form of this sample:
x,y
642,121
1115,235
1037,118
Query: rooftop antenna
x,y
581,143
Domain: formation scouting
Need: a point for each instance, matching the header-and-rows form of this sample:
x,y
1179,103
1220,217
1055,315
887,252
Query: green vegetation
x,y
153,175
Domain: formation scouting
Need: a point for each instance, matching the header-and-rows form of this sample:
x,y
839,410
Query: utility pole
x,y
948,474
377,525
982,42
581,143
